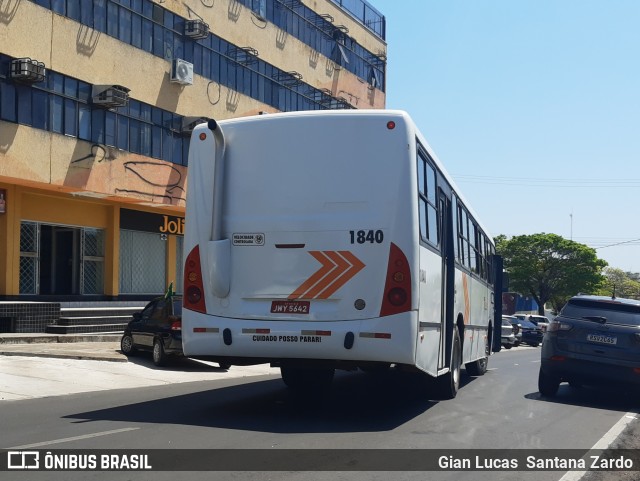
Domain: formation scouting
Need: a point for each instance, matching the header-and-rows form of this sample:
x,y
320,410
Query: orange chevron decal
x,y
338,268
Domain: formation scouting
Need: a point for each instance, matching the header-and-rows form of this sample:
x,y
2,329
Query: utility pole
x,y
571,231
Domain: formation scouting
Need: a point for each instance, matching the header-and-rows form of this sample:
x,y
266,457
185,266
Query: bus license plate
x,y
602,339
290,307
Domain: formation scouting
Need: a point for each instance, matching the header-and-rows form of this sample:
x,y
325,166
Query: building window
x,y
63,105
29,249
92,261
259,7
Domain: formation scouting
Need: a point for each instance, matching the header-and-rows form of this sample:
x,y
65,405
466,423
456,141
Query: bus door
x,y
446,230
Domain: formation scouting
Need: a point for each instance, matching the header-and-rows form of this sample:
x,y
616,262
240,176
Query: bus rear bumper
x,y
390,339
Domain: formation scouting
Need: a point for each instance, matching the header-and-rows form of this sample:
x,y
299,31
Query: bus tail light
x,y
193,287
397,289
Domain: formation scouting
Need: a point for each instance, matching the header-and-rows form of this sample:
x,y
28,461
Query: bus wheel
x,y
306,378
449,383
479,367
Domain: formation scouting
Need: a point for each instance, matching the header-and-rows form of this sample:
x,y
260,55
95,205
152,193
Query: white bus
x,y
331,240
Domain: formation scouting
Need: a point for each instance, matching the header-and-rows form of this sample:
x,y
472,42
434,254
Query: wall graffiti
x,y
99,153
144,171
155,179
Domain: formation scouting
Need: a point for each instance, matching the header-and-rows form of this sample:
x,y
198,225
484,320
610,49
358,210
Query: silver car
x,y
508,338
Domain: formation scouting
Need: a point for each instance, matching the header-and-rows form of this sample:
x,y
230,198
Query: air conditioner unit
x,y
108,96
189,123
27,70
196,29
181,72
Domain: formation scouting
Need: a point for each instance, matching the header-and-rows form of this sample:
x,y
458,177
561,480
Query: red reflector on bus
x,y
263,331
558,358
305,332
636,370
382,335
203,136
199,329
376,335
391,125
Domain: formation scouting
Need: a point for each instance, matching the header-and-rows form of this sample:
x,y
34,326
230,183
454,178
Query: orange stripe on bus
x,y
327,266
337,269
354,264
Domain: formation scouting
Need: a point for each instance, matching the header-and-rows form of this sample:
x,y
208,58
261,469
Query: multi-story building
x,y
97,99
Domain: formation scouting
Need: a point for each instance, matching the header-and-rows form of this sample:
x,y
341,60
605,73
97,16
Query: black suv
x,y
594,340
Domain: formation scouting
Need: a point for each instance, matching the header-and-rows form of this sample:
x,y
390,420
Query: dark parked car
x,y
157,328
517,332
531,334
594,340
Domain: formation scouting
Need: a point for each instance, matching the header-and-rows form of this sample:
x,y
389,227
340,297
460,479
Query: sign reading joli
x,y
173,225
150,222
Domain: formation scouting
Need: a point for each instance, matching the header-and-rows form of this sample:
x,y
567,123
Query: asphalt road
x,y
501,410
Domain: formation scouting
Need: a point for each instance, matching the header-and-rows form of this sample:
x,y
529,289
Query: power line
x,y
619,243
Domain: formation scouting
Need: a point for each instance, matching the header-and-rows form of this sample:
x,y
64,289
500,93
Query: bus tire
x,y
449,383
306,378
479,367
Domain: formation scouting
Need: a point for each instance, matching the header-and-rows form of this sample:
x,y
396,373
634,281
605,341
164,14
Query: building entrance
x,y
59,260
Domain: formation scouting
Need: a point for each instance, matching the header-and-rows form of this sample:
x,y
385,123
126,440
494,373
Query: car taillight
x,y
397,288
176,326
555,326
193,288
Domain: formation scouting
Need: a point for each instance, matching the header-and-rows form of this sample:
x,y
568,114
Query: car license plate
x,y
290,307
602,339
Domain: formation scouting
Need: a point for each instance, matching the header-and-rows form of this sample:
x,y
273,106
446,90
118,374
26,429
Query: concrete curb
x,y
11,339
116,357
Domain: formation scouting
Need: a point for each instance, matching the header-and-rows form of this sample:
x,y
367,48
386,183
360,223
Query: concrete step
x,y
99,311
91,320
86,329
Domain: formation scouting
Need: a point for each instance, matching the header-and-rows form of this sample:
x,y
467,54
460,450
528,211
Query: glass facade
x,y
148,26
62,104
364,12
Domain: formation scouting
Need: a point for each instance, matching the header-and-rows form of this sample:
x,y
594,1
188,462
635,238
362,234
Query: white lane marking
x,y
75,438
603,443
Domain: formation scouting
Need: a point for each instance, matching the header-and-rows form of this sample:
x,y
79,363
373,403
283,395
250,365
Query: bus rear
x,y
313,254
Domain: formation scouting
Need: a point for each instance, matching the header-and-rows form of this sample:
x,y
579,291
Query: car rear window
x,y
177,307
527,324
615,313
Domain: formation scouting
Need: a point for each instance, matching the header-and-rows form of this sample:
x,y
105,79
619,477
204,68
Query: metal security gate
x,y
142,262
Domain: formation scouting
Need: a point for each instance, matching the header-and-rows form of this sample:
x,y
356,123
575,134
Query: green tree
x,y
549,268
620,283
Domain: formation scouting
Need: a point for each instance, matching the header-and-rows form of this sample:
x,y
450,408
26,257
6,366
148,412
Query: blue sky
x,y
533,106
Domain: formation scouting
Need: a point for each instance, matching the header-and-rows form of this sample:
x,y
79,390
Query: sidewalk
x,y
43,365
96,347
